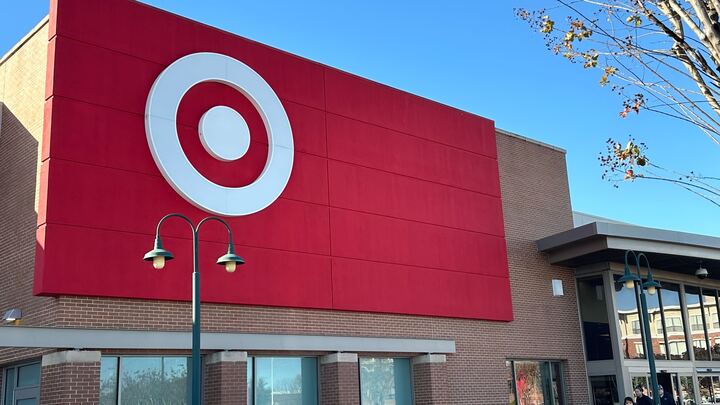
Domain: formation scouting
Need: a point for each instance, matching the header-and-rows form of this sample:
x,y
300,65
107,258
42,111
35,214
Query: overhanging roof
x,y
607,242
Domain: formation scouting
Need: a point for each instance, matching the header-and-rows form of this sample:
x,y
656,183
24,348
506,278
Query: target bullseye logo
x,y
223,133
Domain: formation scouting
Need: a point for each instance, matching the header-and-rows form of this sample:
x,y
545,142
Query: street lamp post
x,y
651,285
230,260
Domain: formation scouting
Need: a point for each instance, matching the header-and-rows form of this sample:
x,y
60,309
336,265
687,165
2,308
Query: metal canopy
x,y
599,242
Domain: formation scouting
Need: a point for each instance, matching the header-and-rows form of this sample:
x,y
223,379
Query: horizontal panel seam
x,y
329,256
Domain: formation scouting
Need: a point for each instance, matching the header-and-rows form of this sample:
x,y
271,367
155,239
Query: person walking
x,y
665,397
641,398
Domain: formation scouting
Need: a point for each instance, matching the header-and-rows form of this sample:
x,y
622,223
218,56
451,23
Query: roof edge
x,y
607,229
525,138
24,39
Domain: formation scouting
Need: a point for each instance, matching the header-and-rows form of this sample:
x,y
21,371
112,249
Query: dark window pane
x,y
29,376
9,381
511,383
604,390
557,384
594,316
108,380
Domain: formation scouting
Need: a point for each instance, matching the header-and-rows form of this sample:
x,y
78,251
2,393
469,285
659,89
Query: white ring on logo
x,y
161,130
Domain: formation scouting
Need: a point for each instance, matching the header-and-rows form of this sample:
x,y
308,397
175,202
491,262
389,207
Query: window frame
x,y
410,375
549,364
33,390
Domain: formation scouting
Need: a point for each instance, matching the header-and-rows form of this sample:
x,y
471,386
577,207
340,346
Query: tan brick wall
x,y
22,95
535,203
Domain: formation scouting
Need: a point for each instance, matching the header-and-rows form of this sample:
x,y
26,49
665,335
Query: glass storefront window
x,y
710,308
134,380
385,381
21,384
108,380
282,380
694,308
630,332
687,387
674,326
594,317
657,335
538,383
706,390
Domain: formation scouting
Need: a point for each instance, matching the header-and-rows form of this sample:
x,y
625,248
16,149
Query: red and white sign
x,y
393,203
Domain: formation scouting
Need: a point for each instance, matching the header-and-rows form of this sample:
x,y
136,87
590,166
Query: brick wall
x,y
429,383
22,96
340,384
535,204
224,381
70,383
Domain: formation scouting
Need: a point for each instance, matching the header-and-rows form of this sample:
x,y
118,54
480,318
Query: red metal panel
x,y
157,36
382,239
119,200
268,278
387,107
373,146
362,285
404,190
369,190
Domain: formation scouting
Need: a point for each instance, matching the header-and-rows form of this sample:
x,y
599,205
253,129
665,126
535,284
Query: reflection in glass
x,y
604,390
154,380
30,401
285,380
108,380
594,316
657,335
385,381
688,390
706,390
531,380
642,380
250,379
692,299
711,318
628,316
674,327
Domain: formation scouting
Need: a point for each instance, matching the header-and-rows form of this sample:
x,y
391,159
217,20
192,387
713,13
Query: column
x,y
225,379
70,377
430,383
339,379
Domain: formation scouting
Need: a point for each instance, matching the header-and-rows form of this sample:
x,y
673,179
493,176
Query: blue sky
x,y
478,57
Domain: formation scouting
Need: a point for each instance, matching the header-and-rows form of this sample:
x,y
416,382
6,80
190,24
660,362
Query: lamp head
x,y
230,260
13,316
628,278
158,255
651,285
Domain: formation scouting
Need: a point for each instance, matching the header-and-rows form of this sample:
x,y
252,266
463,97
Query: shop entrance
x,y
680,385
